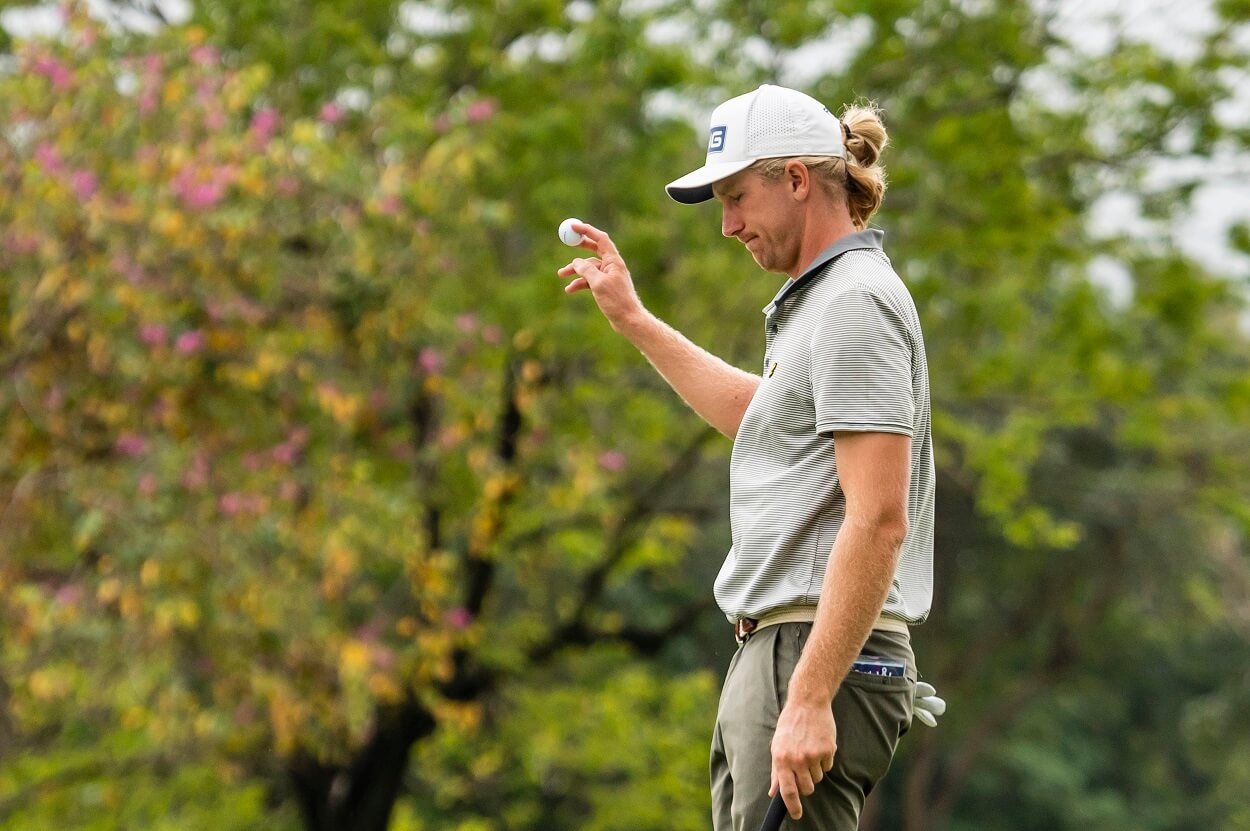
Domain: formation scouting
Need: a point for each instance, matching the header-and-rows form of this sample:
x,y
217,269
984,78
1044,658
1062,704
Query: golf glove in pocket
x,y
926,704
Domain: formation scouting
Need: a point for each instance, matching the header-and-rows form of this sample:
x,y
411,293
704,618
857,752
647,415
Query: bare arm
x,y
713,388
874,469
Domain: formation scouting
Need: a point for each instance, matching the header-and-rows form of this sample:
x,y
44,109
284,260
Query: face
x,y
764,215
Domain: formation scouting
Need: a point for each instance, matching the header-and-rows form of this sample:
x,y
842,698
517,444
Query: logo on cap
x,y
716,141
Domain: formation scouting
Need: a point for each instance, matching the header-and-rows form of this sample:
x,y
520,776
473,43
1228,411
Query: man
x,y
831,478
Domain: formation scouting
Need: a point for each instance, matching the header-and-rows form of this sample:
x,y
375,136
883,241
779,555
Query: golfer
x,y
831,477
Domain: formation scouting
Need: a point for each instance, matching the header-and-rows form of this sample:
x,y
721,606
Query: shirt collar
x,y
868,238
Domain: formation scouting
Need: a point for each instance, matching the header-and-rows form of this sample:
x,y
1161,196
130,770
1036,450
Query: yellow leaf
x,y
109,590
354,657
384,688
174,91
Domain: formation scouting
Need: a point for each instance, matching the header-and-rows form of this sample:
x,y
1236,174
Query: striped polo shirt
x,y
843,351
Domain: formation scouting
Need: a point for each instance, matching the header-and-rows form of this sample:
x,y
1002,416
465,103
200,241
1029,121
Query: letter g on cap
x,y
716,140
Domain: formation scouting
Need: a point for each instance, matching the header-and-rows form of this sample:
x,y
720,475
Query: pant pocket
x,y
872,713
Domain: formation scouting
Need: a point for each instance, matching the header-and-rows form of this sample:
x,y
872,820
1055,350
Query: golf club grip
x,y
776,814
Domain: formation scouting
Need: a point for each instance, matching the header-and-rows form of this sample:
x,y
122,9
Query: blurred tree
x,y
305,420
310,463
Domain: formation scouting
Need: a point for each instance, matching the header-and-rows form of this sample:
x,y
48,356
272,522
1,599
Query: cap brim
x,y
696,186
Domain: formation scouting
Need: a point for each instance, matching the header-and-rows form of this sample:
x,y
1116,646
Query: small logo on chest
x,y
772,369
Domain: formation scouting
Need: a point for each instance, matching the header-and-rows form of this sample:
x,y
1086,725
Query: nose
x,y
731,223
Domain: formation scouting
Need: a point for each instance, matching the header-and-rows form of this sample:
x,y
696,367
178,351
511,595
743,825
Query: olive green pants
x,y
872,713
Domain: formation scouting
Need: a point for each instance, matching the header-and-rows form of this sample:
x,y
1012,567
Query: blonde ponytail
x,y
859,180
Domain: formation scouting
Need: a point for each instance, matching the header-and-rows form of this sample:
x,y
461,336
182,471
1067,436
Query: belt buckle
x,y
743,627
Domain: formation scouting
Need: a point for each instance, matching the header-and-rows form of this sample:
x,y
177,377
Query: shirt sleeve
x,y
862,367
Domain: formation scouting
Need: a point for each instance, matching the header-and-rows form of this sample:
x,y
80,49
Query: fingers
x,y
580,266
584,269
595,240
797,783
790,794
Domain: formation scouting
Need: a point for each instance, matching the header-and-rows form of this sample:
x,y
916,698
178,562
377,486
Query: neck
x,y
825,227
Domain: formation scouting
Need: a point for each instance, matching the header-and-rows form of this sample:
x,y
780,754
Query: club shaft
x,y
776,814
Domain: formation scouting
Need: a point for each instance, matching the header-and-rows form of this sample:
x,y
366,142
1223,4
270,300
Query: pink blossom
x,y
153,64
204,195
231,503
389,205
383,657
54,71
196,476
298,436
85,184
466,322
612,461
128,268
55,398
129,444
492,335
288,186
331,113
430,360
204,55
265,123
153,334
481,110
69,594
49,158
23,243
148,100
215,120
284,454
459,618
203,187
159,410
190,342
252,461
147,484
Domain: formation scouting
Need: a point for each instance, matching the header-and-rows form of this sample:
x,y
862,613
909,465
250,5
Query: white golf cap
x,y
770,123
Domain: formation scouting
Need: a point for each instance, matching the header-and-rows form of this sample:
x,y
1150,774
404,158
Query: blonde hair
x,y
858,180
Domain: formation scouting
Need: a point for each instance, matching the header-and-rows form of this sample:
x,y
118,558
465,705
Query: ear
x,y
798,179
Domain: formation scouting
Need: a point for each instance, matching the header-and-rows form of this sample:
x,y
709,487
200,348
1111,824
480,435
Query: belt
x,y
744,627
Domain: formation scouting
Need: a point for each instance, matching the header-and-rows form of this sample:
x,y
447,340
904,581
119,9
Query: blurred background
x,y
323,507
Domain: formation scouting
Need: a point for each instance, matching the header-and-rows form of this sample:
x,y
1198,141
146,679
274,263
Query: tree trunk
x,y
360,796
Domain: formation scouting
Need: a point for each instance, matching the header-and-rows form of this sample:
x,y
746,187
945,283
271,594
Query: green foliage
x,y
601,742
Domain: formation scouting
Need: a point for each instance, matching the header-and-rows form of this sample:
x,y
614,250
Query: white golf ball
x,y
567,235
